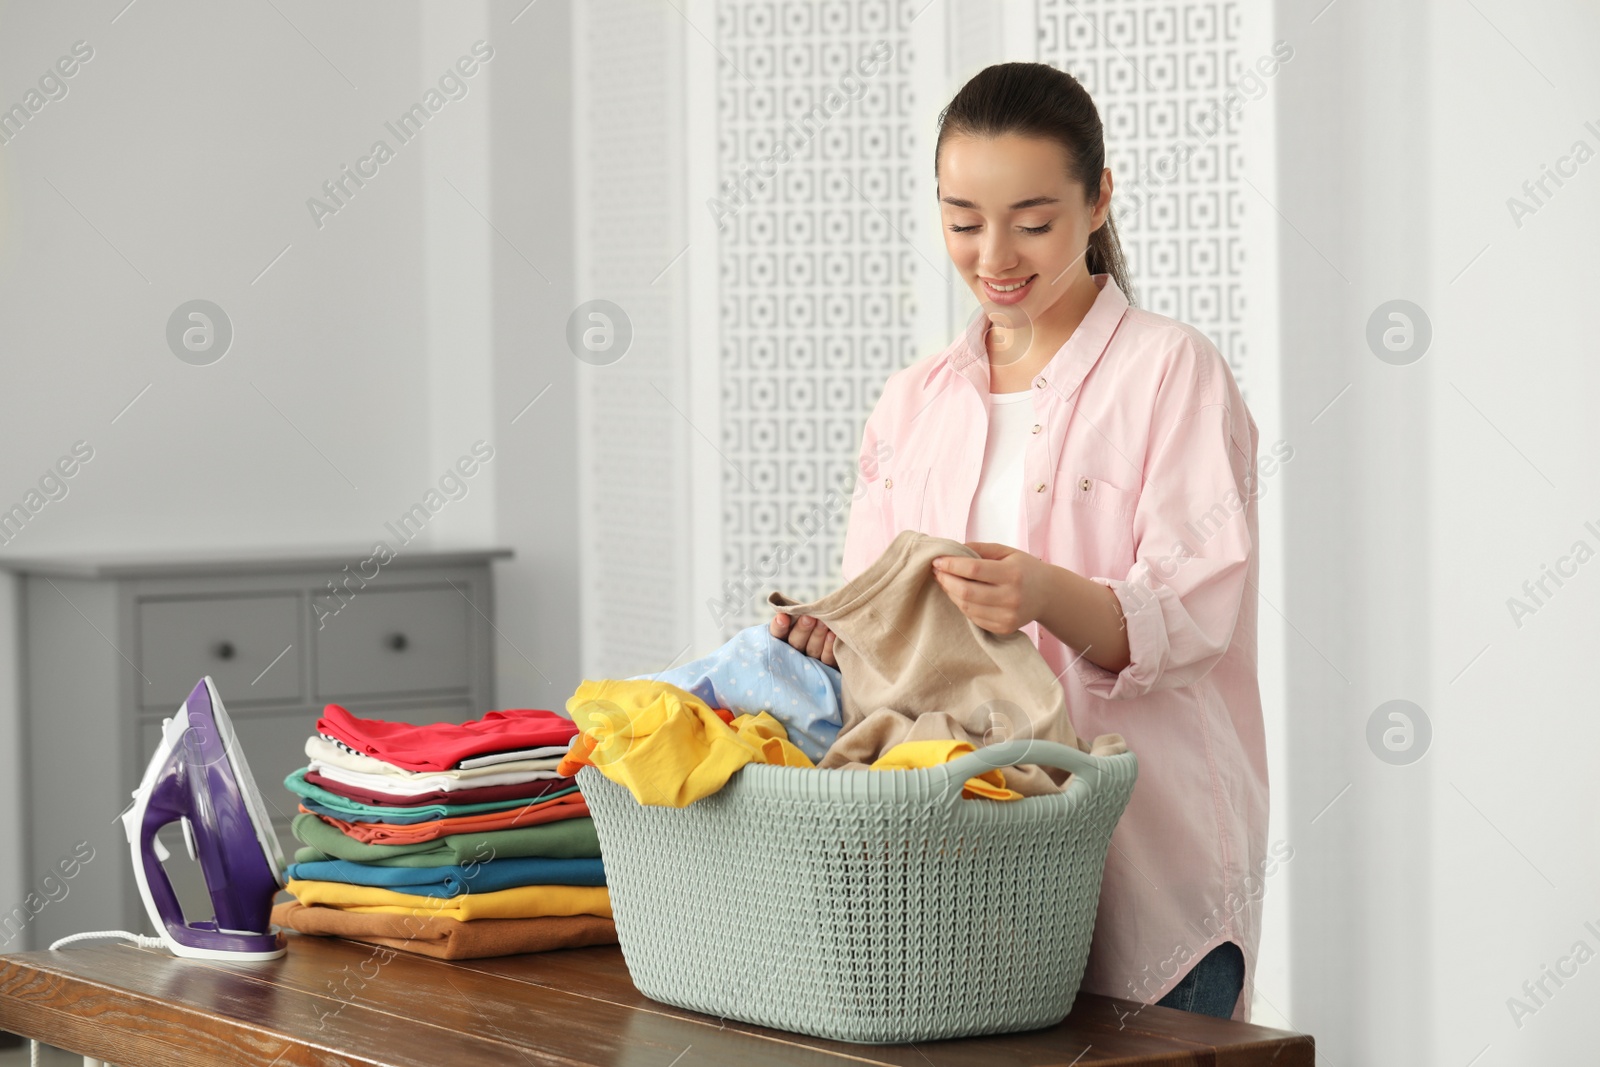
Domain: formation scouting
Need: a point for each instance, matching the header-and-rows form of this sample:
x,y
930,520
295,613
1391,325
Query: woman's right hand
x,y
808,633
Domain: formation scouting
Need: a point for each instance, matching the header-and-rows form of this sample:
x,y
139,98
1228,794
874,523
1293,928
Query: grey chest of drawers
x,y
112,646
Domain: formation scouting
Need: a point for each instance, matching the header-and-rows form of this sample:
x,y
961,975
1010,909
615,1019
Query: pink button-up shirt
x,y
1139,475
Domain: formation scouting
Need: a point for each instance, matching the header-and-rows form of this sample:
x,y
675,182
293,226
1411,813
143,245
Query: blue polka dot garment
x,y
756,672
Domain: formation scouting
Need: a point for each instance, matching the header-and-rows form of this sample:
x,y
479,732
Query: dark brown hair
x,y
1037,100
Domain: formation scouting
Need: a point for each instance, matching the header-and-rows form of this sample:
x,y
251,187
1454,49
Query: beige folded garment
x,y
449,939
913,668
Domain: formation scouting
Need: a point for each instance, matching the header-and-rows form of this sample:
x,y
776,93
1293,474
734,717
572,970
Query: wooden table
x,y
332,1001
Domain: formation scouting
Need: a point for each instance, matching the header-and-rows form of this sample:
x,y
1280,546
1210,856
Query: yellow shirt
x,y
909,755
666,744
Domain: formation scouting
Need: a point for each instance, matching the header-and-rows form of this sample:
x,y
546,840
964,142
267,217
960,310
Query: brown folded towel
x,y
449,939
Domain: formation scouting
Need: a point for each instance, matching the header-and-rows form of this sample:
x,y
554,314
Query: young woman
x,y
1101,461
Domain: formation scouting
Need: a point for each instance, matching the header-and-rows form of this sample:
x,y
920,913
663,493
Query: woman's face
x,y
1012,215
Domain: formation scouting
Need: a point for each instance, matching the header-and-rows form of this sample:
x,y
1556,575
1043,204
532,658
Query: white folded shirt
x,y
395,787
320,750
506,757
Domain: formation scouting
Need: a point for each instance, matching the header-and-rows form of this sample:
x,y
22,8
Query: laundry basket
x,y
866,906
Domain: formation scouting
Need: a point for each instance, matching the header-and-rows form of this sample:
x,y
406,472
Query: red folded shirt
x,y
440,746
479,794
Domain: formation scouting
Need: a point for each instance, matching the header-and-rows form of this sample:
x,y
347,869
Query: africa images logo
x,y
452,85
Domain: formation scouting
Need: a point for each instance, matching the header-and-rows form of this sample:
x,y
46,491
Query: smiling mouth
x,y
1014,287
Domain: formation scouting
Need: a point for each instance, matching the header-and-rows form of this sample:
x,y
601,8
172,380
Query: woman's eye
x,y
1034,230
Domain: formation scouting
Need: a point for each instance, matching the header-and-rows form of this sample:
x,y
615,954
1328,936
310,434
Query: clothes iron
x,y
199,779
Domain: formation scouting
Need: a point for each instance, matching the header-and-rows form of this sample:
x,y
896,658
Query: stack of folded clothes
x,y
454,840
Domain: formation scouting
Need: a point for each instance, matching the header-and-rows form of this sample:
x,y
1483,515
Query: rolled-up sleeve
x,y
1193,539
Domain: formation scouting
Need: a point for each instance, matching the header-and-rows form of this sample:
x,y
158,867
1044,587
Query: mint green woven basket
x,y
867,906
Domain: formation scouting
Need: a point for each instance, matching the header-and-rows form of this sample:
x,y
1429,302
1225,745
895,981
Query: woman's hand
x,y
1007,589
808,634
1002,592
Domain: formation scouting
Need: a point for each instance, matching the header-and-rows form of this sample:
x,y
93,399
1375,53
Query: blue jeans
x,y
1212,985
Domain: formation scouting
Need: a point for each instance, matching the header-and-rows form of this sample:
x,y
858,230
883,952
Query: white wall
x,y
459,237
1358,530
531,186
184,155
1427,893
1512,444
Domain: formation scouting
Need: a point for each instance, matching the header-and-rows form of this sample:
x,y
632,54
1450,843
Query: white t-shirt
x,y
997,506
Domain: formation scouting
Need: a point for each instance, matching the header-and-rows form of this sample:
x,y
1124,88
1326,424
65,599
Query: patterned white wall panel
x,y
1157,72
633,479
816,155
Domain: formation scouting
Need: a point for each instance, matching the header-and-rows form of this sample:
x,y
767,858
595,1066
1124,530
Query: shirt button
x,y
1036,427
1038,383
888,483
1039,488
1084,485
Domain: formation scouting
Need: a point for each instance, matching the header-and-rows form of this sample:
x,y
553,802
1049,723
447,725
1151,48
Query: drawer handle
x,y
224,650
397,642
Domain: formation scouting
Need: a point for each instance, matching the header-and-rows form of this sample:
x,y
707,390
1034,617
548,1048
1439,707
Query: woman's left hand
x,y
1001,592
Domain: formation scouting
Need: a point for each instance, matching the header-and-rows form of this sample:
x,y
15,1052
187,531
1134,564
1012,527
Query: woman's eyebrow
x,y
1032,201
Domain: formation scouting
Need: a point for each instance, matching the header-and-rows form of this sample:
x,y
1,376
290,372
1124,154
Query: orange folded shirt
x,y
449,939
566,806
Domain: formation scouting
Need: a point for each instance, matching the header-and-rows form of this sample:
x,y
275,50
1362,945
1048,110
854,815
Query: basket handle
x,y
1010,753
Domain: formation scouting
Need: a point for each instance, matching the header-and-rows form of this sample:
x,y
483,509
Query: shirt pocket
x,y
1091,491
1092,524
901,489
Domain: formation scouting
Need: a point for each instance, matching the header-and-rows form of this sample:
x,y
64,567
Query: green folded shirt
x,y
561,839
355,811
